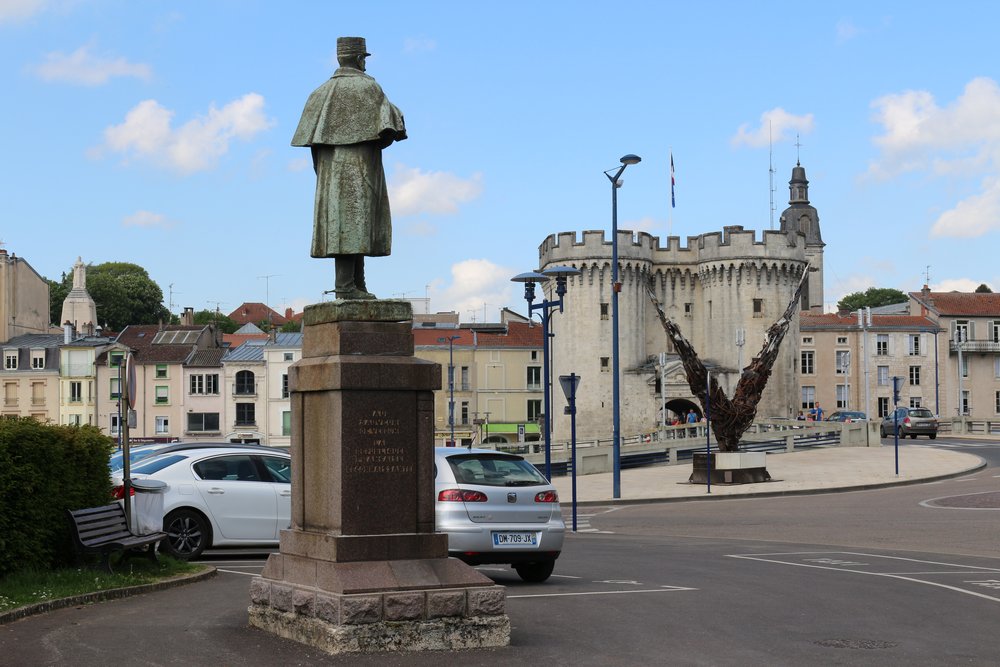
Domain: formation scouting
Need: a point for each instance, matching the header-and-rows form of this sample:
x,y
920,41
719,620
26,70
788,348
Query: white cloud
x,y
971,217
421,228
197,145
776,125
86,69
300,164
147,219
474,282
647,224
959,139
418,45
920,135
957,285
412,191
846,30
849,285
19,10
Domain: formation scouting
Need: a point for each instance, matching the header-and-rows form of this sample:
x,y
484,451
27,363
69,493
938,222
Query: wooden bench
x,y
104,530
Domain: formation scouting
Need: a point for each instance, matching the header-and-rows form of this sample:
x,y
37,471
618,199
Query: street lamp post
x,y
451,384
616,287
569,384
560,273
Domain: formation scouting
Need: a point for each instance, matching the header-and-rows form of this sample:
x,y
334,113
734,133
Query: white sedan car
x,y
233,496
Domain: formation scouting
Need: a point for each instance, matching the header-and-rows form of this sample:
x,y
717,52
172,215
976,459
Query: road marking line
x,y
565,576
247,574
563,595
873,574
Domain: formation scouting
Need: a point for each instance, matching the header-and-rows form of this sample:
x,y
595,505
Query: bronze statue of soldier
x,y
346,123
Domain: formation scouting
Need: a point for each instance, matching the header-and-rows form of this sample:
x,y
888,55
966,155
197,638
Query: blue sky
x,y
158,133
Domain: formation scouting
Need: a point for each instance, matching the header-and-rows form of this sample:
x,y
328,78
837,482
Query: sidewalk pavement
x,y
808,471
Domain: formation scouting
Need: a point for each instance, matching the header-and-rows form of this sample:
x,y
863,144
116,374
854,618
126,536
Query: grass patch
x,y
31,586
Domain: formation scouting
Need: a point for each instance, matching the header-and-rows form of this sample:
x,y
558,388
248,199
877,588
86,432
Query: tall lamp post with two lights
x,y
616,428
560,273
451,384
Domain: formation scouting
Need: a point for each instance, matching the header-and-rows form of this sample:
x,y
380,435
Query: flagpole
x,y
670,218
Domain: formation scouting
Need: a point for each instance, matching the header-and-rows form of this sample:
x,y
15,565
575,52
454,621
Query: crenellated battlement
x,y
732,244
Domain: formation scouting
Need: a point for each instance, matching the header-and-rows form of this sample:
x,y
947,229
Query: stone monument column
x,y
361,568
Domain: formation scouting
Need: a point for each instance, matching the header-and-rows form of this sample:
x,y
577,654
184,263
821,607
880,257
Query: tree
x,y
223,322
58,291
871,298
984,289
291,326
123,293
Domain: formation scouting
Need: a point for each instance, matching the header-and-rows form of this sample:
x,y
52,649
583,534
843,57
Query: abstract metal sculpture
x,y
731,418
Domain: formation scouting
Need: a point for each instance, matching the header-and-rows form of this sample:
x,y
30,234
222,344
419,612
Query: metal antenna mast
x,y
770,170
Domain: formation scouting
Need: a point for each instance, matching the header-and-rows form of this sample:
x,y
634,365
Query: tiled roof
x,y
287,339
140,339
960,303
234,340
210,357
256,312
836,322
35,340
518,334
253,351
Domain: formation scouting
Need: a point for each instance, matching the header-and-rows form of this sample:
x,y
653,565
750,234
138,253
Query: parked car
x,y
847,416
497,508
910,422
139,452
219,496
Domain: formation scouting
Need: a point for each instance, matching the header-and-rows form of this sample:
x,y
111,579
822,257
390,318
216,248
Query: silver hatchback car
x,y
497,508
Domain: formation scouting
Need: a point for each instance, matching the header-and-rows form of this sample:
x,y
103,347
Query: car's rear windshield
x,y
921,412
157,464
494,470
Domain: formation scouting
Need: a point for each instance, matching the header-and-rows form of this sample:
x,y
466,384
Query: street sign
x,y
130,380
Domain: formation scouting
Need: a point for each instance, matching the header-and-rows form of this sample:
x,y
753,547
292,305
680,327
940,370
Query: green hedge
x,y
44,471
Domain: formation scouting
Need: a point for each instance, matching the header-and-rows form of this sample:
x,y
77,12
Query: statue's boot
x,y
348,268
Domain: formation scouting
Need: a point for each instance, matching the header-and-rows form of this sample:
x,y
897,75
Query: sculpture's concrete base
x,y
361,568
399,619
730,468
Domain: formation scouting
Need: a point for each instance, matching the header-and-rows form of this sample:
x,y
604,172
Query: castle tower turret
x,y
800,216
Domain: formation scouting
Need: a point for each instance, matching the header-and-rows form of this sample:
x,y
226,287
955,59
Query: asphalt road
x,y
898,576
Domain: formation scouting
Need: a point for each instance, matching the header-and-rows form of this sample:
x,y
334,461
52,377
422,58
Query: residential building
x,y
245,398
847,363
204,403
280,353
30,377
80,387
968,349
161,356
259,314
496,371
24,298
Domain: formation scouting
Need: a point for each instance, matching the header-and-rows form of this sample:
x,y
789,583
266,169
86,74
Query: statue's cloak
x,y
347,122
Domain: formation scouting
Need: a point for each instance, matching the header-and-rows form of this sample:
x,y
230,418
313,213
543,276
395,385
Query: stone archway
x,y
680,407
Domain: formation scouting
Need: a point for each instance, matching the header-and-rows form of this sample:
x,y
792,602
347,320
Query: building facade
x,y
24,298
497,374
30,377
848,363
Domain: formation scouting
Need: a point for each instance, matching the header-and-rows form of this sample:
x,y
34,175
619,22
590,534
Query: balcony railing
x,y
968,346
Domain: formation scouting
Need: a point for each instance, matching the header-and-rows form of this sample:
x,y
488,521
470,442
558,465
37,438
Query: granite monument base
x,y
361,568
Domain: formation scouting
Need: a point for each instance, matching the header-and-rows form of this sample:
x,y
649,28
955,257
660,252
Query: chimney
x,y
187,319
67,332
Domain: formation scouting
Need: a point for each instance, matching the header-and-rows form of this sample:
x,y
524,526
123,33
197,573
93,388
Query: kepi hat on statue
x,y
351,46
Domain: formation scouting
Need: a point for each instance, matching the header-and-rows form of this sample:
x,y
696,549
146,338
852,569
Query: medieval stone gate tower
x,y
717,284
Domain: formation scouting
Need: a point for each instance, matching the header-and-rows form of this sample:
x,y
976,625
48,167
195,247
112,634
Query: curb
x,y
101,596
776,494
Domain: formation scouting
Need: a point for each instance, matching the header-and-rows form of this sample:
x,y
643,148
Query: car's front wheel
x,y
188,534
932,436
535,573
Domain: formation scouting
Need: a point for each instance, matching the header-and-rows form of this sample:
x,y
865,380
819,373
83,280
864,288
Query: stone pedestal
x,y
361,569
730,468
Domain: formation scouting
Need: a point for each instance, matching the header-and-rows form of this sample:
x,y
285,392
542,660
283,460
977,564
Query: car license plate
x,y
515,539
